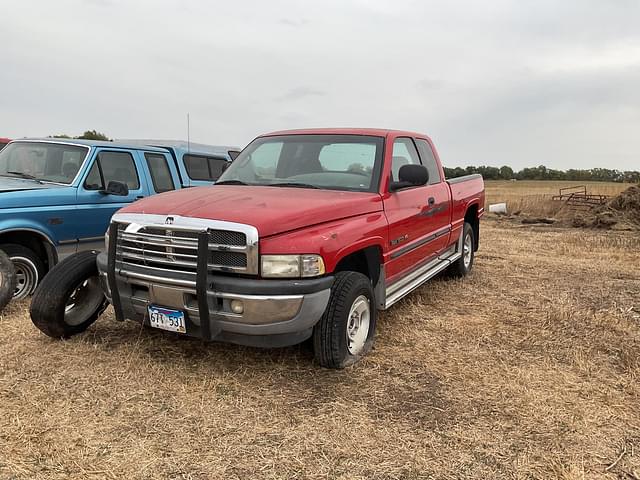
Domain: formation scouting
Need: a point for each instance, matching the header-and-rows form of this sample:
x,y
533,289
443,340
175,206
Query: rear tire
x,y
28,268
7,280
346,330
70,298
464,264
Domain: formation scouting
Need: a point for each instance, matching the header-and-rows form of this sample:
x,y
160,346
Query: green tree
x,y
506,172
94,135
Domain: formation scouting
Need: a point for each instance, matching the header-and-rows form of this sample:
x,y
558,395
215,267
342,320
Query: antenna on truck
x,y
188,135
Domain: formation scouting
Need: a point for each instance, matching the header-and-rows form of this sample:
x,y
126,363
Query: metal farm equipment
x,y
577,197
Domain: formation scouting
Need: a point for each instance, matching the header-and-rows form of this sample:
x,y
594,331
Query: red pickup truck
x,y
308,233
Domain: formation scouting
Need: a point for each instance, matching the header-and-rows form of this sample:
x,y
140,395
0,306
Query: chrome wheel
x,y
467,250
358,323
27,276
83,301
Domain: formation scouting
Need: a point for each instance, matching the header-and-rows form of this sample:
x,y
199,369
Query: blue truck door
x,y
96,208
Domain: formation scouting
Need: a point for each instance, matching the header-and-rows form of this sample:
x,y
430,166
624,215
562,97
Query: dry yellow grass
x,y
503,190
534,197
527,369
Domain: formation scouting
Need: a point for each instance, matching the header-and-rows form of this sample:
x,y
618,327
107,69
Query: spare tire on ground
x,y
7,280
69,298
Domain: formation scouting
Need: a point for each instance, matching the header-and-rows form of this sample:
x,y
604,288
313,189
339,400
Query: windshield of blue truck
x,y
335,162
47,162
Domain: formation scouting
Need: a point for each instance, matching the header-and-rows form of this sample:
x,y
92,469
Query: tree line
x,y
543,173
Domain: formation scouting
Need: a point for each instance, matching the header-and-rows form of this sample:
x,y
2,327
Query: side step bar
x,y
416,278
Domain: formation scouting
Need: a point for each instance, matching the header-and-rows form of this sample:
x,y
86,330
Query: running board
x,y
416,278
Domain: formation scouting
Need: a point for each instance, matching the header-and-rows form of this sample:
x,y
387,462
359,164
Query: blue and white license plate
x,y
167,319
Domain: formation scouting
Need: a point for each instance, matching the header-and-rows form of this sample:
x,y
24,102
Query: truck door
x,y
418,217
95,207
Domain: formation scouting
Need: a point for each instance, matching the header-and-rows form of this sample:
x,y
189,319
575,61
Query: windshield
x,y
48,162
335,162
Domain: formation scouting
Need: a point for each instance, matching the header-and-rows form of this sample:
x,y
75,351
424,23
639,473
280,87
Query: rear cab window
x,y
203,167
429,161
161,176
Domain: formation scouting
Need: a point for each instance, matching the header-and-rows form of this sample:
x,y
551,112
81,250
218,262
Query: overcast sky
x,y
493,82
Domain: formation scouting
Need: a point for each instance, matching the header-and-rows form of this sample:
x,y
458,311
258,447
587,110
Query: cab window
x,y
112,166
160,173
201,167
404,153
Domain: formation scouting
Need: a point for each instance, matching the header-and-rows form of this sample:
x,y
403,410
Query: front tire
x,y
28,267
346,330
70,298
7,280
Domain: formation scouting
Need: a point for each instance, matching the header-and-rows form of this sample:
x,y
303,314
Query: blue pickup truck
x,y
57,196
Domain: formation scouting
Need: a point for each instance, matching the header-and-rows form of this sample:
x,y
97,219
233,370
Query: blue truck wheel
x,y
28,268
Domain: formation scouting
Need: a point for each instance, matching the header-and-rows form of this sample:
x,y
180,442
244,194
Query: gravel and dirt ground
x,y
527,369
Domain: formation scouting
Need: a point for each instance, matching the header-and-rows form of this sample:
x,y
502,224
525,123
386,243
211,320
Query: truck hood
x,y
272,210
19,193
11,184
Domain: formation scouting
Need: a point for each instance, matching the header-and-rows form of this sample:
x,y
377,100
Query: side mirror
x,y
118,189
410,176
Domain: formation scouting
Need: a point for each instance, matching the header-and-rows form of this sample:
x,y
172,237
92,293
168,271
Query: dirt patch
x,y
622,212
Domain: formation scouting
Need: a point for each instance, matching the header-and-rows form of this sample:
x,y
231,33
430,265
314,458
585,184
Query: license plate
x,y
167,319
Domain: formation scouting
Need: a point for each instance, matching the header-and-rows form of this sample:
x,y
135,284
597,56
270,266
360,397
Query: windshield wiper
x,y
231,182
292,184
25,175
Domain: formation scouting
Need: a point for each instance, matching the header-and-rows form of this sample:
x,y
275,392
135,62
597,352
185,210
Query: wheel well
x,y
33,241
366,261
471,217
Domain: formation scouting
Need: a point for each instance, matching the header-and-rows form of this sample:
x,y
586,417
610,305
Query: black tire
x,y
70,298
7,280
330,335
29,268
464,264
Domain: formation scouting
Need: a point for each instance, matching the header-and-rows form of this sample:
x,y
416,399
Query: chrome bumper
x,y
274,312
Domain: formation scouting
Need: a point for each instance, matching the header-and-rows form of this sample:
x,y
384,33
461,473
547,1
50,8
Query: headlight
x,y
292,266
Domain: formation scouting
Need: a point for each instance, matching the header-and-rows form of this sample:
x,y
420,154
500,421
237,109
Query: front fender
x,y
333,240
27,225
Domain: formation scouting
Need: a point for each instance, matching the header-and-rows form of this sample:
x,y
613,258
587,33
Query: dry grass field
x,y
529,368
534,196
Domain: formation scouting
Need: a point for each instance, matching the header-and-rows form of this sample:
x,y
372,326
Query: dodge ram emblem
x,y
168,221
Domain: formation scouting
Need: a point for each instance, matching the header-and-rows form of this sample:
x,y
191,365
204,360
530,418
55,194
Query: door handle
x,y
431,201
139,197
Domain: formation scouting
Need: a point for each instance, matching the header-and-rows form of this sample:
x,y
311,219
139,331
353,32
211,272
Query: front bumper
x,y
275,312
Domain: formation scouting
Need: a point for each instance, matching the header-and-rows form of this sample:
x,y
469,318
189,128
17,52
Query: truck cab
x,y
55,198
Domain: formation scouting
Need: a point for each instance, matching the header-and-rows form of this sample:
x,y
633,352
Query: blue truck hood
x,y
18,192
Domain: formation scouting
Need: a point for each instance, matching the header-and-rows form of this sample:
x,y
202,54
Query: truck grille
x,y
174,249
